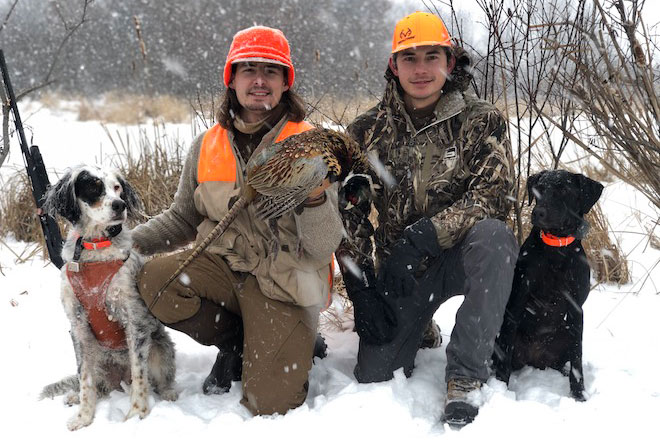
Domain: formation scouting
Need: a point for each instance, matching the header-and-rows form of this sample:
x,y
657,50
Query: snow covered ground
x,y
621,353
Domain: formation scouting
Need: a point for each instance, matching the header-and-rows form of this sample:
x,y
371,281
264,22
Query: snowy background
x,y
621,349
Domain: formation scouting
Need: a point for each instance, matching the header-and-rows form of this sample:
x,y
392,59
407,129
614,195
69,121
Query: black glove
x,y
355,194
419,242
375,321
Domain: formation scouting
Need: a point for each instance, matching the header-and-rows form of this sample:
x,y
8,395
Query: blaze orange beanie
x,y
259,44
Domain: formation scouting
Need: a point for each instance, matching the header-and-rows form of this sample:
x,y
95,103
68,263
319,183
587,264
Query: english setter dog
x,y
115,336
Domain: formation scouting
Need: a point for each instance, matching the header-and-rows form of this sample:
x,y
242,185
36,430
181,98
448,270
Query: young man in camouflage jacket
x,y
442,180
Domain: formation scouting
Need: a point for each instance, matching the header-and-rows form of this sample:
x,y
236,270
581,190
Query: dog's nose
x,y
118,205
540,212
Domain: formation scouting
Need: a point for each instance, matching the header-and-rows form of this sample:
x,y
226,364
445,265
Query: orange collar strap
x,y
553,240
97,243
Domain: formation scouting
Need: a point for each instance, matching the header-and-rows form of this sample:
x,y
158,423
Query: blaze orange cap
x,y
259,44
420,29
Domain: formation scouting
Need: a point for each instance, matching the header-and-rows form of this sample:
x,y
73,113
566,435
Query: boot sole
x,y
459,414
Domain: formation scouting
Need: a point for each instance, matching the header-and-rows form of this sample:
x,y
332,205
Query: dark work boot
x,y
320,347
460,406
432,337
227,368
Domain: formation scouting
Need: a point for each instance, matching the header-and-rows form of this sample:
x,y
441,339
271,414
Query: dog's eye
x,y
117,188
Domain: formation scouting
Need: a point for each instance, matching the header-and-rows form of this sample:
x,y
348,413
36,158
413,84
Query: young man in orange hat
x,y
258,307
442,195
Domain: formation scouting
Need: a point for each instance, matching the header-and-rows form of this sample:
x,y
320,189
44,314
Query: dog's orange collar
x,y
553,240
97,243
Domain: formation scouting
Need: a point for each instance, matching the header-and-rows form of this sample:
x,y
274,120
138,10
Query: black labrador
x,y
543,320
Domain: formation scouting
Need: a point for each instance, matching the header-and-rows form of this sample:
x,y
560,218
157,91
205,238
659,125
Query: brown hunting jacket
x,y
453,166
247,243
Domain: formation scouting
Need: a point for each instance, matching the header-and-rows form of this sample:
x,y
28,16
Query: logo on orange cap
x,y
420,29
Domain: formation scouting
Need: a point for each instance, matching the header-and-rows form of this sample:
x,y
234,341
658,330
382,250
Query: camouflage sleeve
x,y
356,247
488,160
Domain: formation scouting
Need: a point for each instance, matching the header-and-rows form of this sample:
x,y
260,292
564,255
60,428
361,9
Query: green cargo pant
x,y
278,337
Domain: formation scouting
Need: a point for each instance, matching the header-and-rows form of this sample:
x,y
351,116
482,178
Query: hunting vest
x,y
90,285
218,163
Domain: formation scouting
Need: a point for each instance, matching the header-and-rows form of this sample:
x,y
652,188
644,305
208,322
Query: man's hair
x,y
230,107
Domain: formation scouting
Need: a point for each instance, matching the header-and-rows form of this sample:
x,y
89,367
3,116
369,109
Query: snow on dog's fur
x,y
97,203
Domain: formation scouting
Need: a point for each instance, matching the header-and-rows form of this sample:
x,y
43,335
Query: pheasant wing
x,y
283,184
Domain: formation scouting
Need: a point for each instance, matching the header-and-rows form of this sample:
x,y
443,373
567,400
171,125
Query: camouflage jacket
x,y
457,169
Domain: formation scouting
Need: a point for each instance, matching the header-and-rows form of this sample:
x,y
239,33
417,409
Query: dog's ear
x,y
134,207
590,192
61,199
531,183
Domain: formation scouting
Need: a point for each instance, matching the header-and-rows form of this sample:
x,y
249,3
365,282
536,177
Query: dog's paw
x,y
80,420
579,395
73,398
138,408
170,394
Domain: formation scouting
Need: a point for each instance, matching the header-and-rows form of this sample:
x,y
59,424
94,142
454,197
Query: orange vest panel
x,y
292,128
216,158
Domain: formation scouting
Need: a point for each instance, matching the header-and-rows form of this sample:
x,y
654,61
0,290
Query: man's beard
x,y
260,107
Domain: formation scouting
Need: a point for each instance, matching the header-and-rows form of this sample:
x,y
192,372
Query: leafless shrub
x,y
70,27
613,83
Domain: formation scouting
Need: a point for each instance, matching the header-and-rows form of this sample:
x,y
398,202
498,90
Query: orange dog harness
x,y
90,285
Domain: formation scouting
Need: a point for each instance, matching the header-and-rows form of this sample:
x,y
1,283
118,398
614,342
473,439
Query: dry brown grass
x,y
341,310
608,263
654,241
134,109
18,210
18,218
153,169
118,108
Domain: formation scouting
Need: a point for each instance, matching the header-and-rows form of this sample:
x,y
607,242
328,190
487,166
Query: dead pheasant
x,y
280,177
283,174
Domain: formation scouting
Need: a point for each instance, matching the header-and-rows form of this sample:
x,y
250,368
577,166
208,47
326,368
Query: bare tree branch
x,y
71,29
6,20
